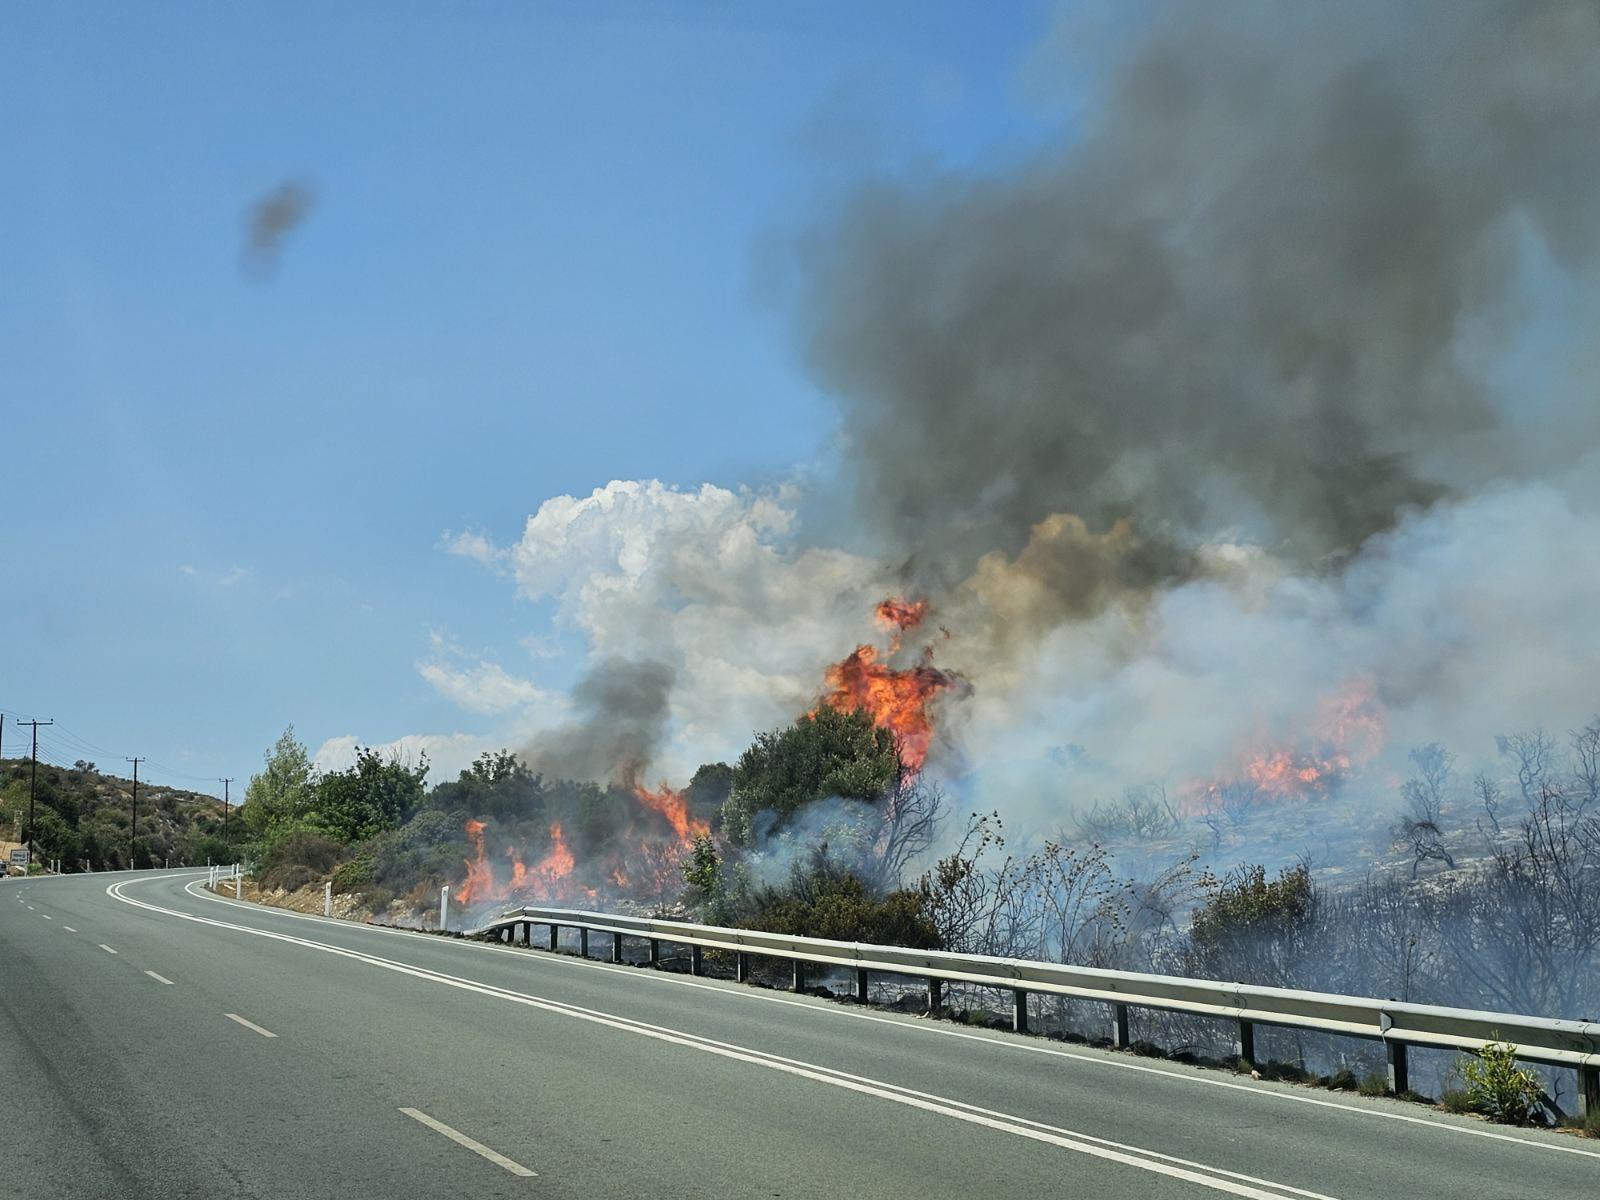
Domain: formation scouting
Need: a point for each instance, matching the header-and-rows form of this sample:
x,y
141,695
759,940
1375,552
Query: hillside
x,y
82,817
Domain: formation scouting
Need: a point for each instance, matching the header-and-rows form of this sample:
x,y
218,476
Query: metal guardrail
x,y
1397,1025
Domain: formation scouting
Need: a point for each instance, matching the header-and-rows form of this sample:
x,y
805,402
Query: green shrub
x,y
1375,1085
352,876
1500,1089
1590,1125
1457,1100
290,877
824,900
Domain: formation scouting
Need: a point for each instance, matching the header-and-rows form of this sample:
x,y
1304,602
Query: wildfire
x,y
897,698
673,804
547,879
1346,734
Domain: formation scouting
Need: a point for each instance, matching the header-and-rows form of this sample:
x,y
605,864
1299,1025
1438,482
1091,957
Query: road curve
x,y
156,1041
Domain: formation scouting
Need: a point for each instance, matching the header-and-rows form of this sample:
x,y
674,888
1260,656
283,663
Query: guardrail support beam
x,y
697,960
1247,1042
861,985
1399,1073
555,936
1119,1026
1588,1091
741,967
616,947
1019,1010
799,975
935,996
655,952
583,941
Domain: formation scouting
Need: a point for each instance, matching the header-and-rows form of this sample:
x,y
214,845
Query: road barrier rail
x,y
1396,1024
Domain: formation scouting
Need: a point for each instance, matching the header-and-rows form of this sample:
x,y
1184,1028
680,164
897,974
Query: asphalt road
x,y
156,1041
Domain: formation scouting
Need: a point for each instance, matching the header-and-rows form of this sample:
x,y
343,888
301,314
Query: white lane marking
x,y
47,916
1146,1160
69,929
1199,1075
250,1025
160,978
107,948
30,908
461,1139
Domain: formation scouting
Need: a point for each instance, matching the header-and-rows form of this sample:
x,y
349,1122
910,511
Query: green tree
x,y
826,753
376,794
280,797
496,785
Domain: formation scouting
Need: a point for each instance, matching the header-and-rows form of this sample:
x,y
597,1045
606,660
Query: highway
x,y
157,1041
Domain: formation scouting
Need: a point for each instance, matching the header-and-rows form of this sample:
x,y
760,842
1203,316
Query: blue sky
x,y
539,258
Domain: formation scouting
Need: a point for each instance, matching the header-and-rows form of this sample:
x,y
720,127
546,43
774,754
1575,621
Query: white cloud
x,y
468,544
486,688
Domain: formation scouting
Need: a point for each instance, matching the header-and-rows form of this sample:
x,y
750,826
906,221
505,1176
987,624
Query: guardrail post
x,y
1119,1026
527,934
1247,1042
583,941
861,985
1019,1010
696,960
1394,1054
799,975
555,936
741,967
935,996
616,947
655,952
1588,1091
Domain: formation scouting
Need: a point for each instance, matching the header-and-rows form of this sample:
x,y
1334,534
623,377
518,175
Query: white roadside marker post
x,y
238,884
444,909
327,899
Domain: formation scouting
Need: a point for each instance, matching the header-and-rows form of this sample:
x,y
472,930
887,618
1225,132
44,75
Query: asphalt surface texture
x,y
160,1041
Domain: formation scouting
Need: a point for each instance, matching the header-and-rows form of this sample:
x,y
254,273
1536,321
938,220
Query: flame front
x,y
896,698
673,804
1346,734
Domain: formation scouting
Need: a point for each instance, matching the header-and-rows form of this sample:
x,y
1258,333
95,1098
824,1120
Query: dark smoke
x,y
1237,299
621,715
270,220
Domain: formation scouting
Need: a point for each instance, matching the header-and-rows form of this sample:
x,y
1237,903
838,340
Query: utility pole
x,y
33,776
133,829
224,783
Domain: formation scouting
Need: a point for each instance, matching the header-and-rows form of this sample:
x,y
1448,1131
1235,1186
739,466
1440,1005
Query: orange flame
x,y
897,698
673,804
1347,733
545,880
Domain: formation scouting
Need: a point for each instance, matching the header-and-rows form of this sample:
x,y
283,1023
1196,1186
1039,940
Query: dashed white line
x,y
107,948
250,1025
160,978
461,1139
47,916
69,929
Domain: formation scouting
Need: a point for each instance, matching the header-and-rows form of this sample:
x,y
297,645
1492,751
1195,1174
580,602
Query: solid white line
x,y
160,978
250,1025
1145,1160
1027,1046
69,929
107,948
461,1139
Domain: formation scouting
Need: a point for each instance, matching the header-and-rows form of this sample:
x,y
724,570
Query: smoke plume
x,y
620,713
1255,291
270,220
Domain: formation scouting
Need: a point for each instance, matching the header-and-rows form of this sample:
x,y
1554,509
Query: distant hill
x,y
82,815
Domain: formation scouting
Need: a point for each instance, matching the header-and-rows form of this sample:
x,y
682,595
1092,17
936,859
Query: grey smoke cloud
x,y
270,219
621,707
1254,292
